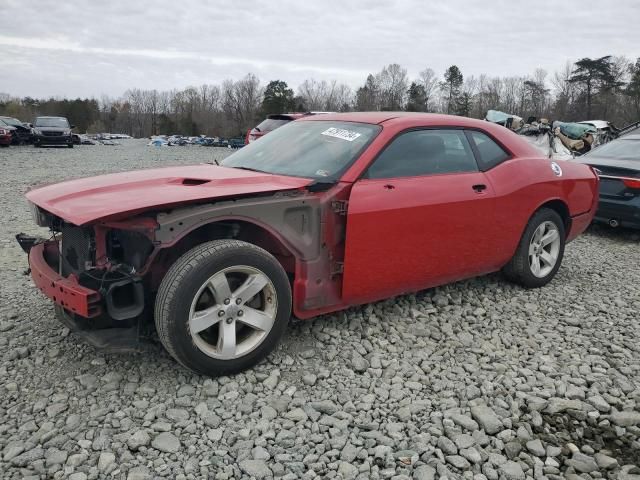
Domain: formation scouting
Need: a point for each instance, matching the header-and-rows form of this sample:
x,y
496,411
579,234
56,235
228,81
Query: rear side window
x,y
424,152
490,153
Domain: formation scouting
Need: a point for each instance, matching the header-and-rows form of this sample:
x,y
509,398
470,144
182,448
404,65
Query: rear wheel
x,y
540,250
222,307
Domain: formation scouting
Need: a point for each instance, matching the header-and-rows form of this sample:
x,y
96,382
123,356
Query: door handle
x,y
479,188
388,186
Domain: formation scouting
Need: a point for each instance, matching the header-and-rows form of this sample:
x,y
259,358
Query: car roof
x,y
49,116
599,124
286,116
408,120
630,136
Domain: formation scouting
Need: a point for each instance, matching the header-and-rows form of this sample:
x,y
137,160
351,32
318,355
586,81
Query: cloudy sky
x,y
89,48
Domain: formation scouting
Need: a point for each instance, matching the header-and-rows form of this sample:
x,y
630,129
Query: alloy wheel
x,y
544,249
233,312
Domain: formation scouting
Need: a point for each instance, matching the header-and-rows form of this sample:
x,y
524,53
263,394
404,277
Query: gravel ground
x,y
479,379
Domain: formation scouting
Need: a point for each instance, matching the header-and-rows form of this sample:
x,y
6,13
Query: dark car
x,y
618,163
52,131
21,132
323,214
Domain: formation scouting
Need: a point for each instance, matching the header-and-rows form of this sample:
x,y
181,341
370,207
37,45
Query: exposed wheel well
x,y
561,209
229,229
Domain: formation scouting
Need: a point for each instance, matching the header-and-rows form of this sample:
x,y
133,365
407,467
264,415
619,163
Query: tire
x,y
70,145
521,268
193,290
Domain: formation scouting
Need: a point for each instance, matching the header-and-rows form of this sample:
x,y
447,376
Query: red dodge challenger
x,y
322,214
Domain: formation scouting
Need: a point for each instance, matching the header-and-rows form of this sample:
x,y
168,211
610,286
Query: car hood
x,y
53,129
88,200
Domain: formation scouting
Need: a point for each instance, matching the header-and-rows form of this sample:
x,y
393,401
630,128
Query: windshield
x,y
622,149
321,150
59,122
12,121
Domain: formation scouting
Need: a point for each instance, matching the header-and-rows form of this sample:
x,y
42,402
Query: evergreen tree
x,y
278,98
451,86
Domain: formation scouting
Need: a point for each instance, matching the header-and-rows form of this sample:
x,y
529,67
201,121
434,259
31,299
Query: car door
x,y
421,216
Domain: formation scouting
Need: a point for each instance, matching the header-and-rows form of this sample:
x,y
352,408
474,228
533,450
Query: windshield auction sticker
x,y
341,133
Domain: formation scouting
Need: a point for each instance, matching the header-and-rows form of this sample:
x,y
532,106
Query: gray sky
x,y
88,48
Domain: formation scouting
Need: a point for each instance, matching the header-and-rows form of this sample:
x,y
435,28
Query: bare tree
x,y
429,82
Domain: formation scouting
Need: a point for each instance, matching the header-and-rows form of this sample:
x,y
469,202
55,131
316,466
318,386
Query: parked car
x,y
323,214
6,135
274,121
618,165
21,132
52,131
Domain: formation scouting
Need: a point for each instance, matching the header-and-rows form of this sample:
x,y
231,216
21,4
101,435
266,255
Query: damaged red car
x,y
322,214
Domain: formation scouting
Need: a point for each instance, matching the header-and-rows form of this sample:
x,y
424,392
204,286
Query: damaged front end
x,y
95,276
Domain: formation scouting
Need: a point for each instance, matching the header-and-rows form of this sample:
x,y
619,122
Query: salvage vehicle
x,y
325,213
52,131
618,165
21,132
274,121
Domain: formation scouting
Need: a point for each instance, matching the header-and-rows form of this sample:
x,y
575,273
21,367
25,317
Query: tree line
x,y
606,88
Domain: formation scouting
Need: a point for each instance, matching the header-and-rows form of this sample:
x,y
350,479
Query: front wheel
x,y
540,250
222,307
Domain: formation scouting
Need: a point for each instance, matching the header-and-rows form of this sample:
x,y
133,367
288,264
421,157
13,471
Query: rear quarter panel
x,y
523,185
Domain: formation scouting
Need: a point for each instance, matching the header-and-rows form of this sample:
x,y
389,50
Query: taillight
x,y
631,182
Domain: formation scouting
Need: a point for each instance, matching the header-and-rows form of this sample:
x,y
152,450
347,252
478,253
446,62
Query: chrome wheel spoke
x,y
550,237
227,340
547,258
256,319
537,235
219,286
535,265
204,319
251,287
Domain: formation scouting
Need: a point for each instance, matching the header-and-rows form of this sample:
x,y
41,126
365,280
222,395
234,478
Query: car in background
x,y
272,122
618,166
52,131
21,132
323,214
6,135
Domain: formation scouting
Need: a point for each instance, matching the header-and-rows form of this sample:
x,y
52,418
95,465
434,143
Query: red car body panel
x,y
66,292
118,195
6,134
402,234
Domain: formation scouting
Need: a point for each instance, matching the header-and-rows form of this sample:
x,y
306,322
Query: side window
x,y
424,152
491,154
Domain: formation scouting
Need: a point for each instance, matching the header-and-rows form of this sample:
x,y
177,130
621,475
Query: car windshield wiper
x,y
251,169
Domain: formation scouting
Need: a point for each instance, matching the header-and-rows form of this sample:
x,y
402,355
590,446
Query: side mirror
x,y
73,126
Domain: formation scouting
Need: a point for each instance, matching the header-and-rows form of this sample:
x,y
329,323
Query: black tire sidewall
x,y
179,305
527,277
